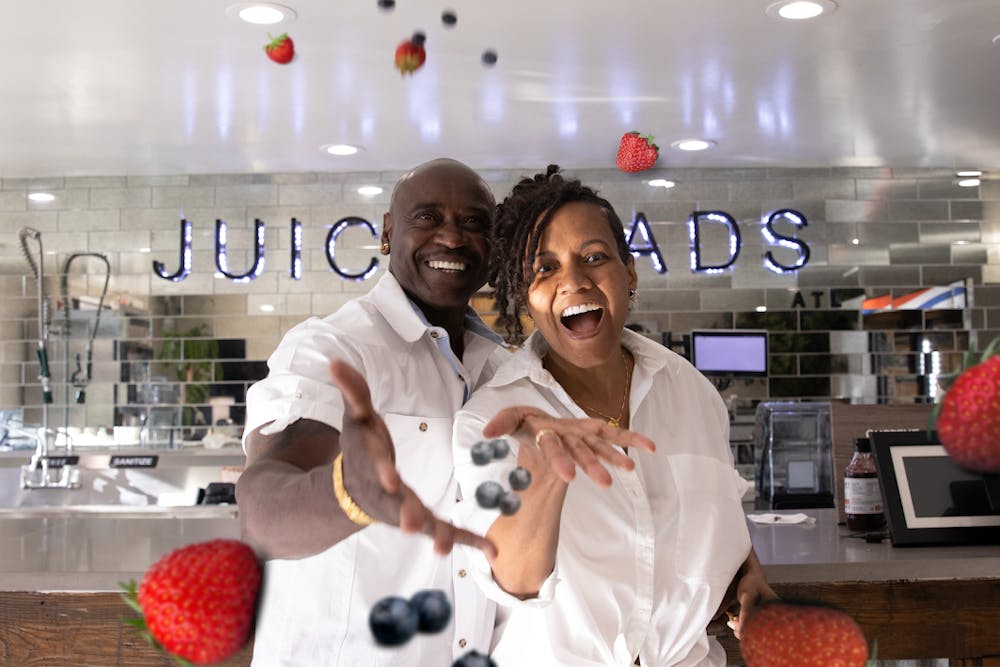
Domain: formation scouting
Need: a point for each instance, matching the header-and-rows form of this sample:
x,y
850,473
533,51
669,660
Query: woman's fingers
x,y
584,457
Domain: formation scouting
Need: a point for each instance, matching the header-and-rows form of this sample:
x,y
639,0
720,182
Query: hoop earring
x,y
384,248
633,295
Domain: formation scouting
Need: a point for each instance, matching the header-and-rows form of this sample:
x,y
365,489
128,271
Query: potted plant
x,y
192,354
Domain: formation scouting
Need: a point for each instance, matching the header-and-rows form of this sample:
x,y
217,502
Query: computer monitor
x,y
740,352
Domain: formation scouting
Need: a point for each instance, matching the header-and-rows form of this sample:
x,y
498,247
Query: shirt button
x,y
462,643
462,573
434,334
423,426
298,394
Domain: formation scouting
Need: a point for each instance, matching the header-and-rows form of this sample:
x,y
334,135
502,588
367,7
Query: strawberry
x,y
198,602
786,633
280,49
636,152
968,418
410,55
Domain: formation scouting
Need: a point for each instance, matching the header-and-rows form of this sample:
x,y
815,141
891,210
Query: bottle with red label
x,y
862,496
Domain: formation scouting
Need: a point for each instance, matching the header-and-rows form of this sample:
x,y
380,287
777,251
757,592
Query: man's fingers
x,y
444,536
354,388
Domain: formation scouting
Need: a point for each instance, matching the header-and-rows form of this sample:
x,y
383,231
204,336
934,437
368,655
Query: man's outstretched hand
x,y
370,475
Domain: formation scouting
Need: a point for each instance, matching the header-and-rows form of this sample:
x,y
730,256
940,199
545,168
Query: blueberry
x,y
510,503
474,659
449,18
433,608
418,38
500,448
488,495
489,57
393,621
482,452
519,479
386,4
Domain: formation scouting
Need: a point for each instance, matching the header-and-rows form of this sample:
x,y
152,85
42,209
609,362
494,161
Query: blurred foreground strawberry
x,y
787,633
198,602
280,49
410,54
968,418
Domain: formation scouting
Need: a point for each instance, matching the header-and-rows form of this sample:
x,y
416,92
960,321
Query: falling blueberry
x,y
519,479
482,452
386,4
509,503
433,608
488,495
418,38
500,448
393,621
449,18
489,57
474,659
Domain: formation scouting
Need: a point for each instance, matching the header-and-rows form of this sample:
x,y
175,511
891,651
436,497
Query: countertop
x,y
826,551
81,549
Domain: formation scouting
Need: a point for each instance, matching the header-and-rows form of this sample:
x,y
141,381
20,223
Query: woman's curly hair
x,y
521,218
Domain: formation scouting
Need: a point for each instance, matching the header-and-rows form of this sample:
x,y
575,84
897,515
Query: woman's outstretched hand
x,y
566,444
370,474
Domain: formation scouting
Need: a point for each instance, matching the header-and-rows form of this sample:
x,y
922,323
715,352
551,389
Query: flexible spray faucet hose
x,y
81,383
24,235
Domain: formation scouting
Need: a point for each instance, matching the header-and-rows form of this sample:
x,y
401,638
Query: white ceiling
x,y
95,87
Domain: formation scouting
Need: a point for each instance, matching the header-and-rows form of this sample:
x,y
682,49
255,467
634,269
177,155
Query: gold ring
x,y
538,436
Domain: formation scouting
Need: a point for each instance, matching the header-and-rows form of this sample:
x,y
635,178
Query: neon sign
x,y
640,239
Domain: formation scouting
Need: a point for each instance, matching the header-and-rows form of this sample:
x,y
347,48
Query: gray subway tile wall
x,y
915,229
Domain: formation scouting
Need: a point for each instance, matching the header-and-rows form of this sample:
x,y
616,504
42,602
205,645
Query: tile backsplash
x,y
871,232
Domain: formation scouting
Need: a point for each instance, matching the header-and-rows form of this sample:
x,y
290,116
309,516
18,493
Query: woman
x,y
634,572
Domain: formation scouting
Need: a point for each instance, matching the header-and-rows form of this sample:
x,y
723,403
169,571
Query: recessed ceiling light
x,y
969,173
267,308
855,241
968,182
261,13
41,196
798,10
692,144
369,190
761,309
145,250
661,183
341,149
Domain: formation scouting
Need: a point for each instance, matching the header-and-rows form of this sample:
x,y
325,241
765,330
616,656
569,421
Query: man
x,y
421,351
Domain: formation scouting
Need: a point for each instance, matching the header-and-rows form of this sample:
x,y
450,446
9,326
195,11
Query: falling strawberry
x,y
784,633
968,418
410,54
636,152
198,602
280,49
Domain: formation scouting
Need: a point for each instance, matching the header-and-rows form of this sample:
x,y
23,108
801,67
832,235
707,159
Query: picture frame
x,y
928,498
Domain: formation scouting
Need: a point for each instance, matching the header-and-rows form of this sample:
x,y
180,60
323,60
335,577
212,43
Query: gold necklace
x,y
612,421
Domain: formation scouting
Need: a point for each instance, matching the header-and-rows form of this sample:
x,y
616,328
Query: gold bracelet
x,y
347,504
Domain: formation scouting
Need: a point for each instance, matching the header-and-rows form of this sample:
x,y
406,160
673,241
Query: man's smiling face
x,y
438,228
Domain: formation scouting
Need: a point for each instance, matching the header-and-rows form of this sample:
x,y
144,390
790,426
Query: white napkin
x,y
771,519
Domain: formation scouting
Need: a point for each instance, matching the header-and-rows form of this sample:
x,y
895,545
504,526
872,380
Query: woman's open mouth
x,y
582,321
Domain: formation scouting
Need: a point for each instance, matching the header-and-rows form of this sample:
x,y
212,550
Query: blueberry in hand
x,y
393,621
474,659
500,448
482,452
519,479
510,503
433,609
488,495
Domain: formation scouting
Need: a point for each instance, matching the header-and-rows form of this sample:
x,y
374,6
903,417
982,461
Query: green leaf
x,y
991,349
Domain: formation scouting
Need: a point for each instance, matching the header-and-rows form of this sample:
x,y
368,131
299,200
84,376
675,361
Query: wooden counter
x,y
59,572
